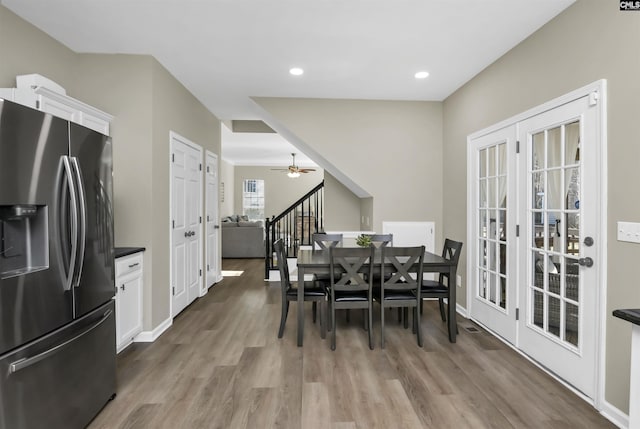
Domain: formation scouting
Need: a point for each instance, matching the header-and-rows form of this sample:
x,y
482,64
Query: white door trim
x,y
598,93
212,159
175,137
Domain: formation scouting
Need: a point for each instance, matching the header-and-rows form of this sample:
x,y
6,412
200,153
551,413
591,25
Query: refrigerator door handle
x,y
82,205
74,222
27,362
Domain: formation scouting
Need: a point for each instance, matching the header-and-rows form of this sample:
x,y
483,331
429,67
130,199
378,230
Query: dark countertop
x,y
630,315
125,251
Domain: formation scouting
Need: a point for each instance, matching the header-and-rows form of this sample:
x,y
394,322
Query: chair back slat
x,y
350,268
402,267
326,241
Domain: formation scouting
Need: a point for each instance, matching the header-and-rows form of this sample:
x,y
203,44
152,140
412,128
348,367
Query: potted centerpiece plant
x,y
363,240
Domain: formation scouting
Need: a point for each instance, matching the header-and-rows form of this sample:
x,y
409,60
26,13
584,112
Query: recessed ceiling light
x,y
296,71
422,75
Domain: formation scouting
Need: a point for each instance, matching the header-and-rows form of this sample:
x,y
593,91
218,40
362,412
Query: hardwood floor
x,y
221,365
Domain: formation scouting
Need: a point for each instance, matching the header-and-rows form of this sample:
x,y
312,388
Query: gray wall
x,y
392,149
227,205
24,50
127,77
590,40
174,109
341,206
280,191
147,103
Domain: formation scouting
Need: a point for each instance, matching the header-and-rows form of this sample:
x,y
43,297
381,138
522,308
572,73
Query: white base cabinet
x,y
128,298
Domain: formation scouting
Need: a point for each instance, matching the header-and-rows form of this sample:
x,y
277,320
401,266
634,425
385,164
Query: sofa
x,y
242,238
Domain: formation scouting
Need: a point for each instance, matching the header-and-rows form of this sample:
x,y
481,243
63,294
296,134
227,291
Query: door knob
x,y
586,262
588,241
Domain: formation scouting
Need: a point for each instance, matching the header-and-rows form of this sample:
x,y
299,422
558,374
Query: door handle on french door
x,y
83,218
586,262
26,362
73,199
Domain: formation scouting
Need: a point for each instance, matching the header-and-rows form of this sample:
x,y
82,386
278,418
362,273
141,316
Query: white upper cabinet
x,y
40,93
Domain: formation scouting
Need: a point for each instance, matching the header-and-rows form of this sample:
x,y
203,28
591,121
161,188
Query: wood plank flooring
x,y
221,365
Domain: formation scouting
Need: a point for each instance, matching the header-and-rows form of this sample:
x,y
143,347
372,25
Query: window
x,y
253,198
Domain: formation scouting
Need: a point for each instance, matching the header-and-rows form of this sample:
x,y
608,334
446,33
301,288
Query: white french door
x,y
186,222
212,220
536,231
494,277
560,261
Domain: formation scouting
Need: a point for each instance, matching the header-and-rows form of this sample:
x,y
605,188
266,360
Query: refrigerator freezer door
x,y
32,146
91,157
63,379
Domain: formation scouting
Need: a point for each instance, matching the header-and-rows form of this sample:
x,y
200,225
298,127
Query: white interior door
x,y
492,175
186,209
212,220
560,254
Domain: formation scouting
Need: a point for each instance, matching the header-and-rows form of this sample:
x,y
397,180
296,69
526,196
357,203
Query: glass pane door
x,y
494,296
559,207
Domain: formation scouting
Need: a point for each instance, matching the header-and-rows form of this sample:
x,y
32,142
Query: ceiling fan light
x,y
293,174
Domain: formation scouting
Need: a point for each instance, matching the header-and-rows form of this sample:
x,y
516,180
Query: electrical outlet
x,y
458,281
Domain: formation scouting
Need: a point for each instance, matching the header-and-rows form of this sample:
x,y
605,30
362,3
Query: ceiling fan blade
x,y
306,170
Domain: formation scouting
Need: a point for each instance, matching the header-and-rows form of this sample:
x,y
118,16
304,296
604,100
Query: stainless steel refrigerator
x,y
57,324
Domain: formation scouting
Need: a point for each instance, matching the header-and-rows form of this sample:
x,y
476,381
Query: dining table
x,y
316,261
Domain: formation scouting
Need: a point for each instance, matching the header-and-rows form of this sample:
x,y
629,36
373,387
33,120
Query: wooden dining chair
x,y
312,292
348,269
440,288
326,241
400,280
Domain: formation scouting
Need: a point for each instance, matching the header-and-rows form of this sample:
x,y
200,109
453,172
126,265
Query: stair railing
x,y
295,226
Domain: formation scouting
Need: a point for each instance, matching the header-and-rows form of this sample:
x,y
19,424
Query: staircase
x,y
294,226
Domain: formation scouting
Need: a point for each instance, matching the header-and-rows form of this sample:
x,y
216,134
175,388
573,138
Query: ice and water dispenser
x,y
23,239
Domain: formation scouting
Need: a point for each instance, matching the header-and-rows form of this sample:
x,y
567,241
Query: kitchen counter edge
x,y
630,315
126,251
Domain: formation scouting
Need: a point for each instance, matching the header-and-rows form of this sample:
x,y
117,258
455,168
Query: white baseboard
x,y
461,311
614,415
151,336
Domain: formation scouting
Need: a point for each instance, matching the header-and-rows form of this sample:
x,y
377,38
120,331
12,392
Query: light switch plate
x,y
629,231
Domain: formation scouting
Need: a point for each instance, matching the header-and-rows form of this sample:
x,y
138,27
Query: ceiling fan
x,y
293,170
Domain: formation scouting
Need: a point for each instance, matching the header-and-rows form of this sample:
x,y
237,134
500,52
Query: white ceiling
x,y
226,51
